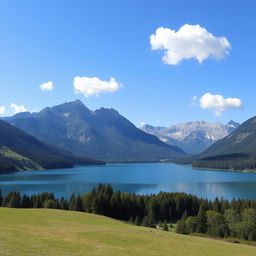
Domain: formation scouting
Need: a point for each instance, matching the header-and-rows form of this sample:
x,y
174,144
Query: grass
x,y
27,232
9,153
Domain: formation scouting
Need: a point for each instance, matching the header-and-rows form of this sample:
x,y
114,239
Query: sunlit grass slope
x,y
26,232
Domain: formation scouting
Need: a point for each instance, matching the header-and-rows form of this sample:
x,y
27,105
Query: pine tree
x,y
145,222
14,201
201,219
25,202
1,198
137,221
79,204
130,219
165,227
72,202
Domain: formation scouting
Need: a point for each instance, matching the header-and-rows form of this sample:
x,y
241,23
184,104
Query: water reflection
x,y
134,178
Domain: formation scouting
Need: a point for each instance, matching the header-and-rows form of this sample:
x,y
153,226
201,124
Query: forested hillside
x,y
237,151
20,151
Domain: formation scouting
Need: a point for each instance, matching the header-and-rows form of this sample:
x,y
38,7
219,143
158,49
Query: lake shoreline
x,y
137,178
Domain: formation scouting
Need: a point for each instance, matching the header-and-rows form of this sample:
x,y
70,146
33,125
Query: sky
x,y
159,62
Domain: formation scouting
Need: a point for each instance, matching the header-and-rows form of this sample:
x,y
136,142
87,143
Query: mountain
x,y
236,151
192,137
21,151
101,134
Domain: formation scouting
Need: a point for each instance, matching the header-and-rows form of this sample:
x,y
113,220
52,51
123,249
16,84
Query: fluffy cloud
x,y
218,103
17,109
47,86
93,85
2,110
190,41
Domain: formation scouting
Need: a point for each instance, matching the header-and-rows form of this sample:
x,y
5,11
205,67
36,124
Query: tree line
x,y
217,218
238,161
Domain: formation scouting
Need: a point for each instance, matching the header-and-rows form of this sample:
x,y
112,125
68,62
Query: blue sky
x,y
57,41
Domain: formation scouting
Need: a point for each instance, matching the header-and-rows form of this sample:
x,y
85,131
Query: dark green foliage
x,y
72,202
247,227
216,224
201,218
165,227
218,218
145,222
131,219
182,227
25,201
12,200
64,205
51,204
231,218
191,224
137,221
79,204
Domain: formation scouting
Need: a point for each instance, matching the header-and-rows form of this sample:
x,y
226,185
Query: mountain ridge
x,y
101,134
193,136
21,151
236,151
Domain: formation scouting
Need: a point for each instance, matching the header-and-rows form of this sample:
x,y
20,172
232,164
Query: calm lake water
x,y
136,178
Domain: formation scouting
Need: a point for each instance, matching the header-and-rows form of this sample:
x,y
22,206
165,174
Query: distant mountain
x,y
237,151
102,134
192,137
21,151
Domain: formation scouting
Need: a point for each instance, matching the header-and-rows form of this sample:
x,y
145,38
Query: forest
x,y
217,218
238,161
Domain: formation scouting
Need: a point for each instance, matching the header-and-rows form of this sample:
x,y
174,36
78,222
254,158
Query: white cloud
x,y
93,85
2,110
142,123
47,86
17,109
190,41
217,103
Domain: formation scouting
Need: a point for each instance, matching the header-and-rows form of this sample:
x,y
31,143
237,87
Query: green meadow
x,y
26,232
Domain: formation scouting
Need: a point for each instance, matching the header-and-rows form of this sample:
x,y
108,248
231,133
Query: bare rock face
x,y
192,137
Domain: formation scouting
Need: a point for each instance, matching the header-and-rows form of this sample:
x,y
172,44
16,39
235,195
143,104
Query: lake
x,y
139,178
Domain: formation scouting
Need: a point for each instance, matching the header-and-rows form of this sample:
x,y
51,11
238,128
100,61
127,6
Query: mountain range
x,y
21,151
101,134
192,137
236,151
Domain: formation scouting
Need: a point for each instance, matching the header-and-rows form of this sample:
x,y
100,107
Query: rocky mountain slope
x,y
192,137
101,134
237,151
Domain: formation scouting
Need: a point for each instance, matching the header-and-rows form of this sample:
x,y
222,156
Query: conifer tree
x,y
72,202
79,204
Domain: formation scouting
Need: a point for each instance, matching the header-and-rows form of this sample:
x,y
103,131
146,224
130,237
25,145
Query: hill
x,y
236,151
68,233
21,151
101,134
193,137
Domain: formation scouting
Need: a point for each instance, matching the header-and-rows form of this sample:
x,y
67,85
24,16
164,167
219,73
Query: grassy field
x,y
27,232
